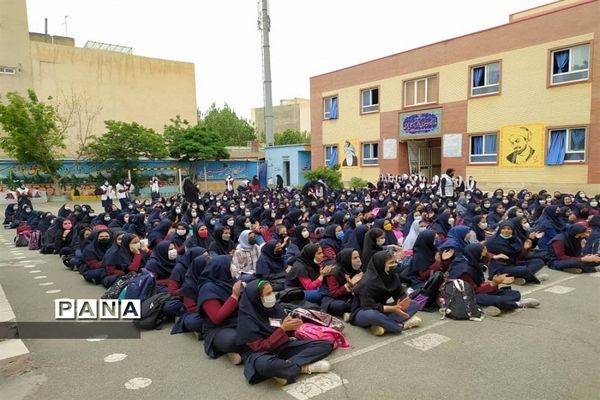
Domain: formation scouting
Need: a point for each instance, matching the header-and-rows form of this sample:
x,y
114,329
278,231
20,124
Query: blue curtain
x,y
478,77
557,150
578,139
476,145
333,112
561,58
333,157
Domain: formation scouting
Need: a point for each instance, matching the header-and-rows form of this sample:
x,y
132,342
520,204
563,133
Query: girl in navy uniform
x,y
565,252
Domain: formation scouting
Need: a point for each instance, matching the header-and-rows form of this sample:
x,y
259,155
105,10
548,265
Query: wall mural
x,y
522,146
349,153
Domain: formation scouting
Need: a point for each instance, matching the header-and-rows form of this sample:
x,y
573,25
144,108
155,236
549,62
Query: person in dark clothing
x,y
565,252
337,300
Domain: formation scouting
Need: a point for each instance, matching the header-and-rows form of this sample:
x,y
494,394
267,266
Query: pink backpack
x,y
309,331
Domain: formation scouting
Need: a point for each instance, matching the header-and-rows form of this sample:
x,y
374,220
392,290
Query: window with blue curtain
x,y
478,76
561,62
490,144
476,145
333,113
557,148
483,149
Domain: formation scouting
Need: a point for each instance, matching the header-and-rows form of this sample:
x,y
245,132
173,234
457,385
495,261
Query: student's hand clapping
x,y
327,270
447,254
236,290
503,279
291,324
591,258
501,257
527,244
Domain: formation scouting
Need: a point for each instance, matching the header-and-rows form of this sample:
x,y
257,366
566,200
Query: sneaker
x,y
573,270
234,358
542,277
280,381
412,322
317,367
377,330
529,303
346,317
492,311
520,281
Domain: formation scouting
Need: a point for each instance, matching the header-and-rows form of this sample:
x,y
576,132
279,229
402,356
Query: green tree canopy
x,y
124,143
234,130
290,136
330,175
31,133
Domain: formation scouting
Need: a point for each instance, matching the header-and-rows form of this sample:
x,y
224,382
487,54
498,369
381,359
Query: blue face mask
x,y
340,235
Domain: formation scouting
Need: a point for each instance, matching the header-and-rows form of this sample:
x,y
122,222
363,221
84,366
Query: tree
x,y
124,144
31,132
290,136
193,143
330,175
234,130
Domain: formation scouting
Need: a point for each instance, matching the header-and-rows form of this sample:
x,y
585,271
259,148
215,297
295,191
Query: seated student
x,y
549,223
159,233
469,268
510,256
76,260
190,320
496,215
458,238
374,241
370,308
222,244
418,226
200,237
182,264
179,236
307,273
264,329
332,243
218,296
426,259
566,254
110,255
9,214
246,256
63,238
271,264
479,226
592,245
337,300
130,256
442,225
93,254
161,263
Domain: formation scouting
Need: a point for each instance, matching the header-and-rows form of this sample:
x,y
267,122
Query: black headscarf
x,y
356,238
215,281
377,284
219,246
330,239
304,265
253,317
370,246
572,244
549,219
424,252
498,245
469,262
189,288
343,266
159,233
196,241
94,250
159,262
110,257
268,262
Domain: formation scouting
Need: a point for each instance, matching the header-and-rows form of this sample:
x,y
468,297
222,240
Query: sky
x,y
308,37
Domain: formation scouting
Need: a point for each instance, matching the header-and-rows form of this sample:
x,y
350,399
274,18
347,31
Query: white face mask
x,y
356,264
269,301
483,226
380,242
137,245
248,225
594,204
172,254
422,228
181,232
418,218
451,221
526,226
194,214
230,223
305,234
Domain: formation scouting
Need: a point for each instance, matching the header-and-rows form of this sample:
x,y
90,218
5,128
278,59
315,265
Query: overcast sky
x,y
308,37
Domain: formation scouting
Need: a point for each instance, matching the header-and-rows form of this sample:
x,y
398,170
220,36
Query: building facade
x,y
515,106
101,84
290,161
291,114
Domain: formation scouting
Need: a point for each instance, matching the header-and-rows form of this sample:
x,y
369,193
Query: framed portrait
x,y
522,146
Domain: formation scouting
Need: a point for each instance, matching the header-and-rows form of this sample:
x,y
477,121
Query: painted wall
x,y
297,155
14,46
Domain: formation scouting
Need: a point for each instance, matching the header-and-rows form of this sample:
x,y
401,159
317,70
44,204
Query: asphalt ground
x,y
548,353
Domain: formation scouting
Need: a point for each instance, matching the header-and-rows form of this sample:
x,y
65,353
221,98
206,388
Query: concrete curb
x,y
15,358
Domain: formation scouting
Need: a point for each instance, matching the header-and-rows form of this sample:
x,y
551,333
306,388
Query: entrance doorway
x,y
425,157
286,172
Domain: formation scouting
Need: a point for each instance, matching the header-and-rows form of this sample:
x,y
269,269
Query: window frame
x,y
5,70
362,106
325,146
569,128
414,80
550,66
362,155
470,79
470,136
325,113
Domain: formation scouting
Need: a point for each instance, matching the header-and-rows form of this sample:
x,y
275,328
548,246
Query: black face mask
x,y
252,241
103,242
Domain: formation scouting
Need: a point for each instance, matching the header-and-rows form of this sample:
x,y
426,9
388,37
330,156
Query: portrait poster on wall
x,y
522,146
349,153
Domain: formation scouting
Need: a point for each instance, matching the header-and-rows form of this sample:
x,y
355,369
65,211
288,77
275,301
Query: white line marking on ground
x,y
427,341
541,287
19,257
115,357
314,386
53,291
391,340
595,274
138,383
35,271
558,289
46,283
97,338
29,266
37,261
40,277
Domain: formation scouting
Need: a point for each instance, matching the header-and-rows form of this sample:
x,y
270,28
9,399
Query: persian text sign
x,y
420,124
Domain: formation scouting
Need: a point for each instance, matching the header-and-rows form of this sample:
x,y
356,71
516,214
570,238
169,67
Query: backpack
x,y
427,295
152,312
35,240
115,289
318,318
310,331
22,239
458,301
141,286
23,227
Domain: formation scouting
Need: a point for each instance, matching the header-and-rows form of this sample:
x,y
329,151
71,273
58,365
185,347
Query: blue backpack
x,y
141,287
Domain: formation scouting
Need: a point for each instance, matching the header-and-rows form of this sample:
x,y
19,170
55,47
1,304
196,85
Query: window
x,y
570,64
8,70
483,148
370,153
485,79
331,155
421,91
330,107
370,100
566,145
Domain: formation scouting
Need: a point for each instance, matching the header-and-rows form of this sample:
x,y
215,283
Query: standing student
x,y
264,328
106,196
122,194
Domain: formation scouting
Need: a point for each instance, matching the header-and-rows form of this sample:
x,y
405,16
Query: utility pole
x,y
264,25
66,34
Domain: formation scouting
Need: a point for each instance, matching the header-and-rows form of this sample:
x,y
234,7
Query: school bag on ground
x,y
22,239
141,287
427,295
308,331
318,318
458,301
35,240
152,315
116,288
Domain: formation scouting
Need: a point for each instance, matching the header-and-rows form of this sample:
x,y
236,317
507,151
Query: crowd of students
x,y
223,257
